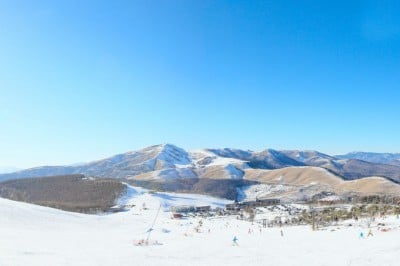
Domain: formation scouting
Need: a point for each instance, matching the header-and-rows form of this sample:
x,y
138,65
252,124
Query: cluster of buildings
x,y
237,206
179,211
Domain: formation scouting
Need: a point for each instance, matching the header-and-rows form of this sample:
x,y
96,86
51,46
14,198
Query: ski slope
x,y
34,235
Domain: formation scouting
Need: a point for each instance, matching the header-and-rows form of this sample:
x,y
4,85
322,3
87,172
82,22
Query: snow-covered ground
x,y
34,235
262,190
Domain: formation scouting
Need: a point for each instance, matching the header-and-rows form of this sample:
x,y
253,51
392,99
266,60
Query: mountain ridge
x,y
166,161
373,157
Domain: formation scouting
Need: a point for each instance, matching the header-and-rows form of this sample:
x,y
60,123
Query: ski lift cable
x,y
155,219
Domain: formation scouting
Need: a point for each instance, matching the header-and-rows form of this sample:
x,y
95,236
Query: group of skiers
x,y
368,235
235,239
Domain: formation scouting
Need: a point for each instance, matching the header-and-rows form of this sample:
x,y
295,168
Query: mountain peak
x,y
173,154
169,160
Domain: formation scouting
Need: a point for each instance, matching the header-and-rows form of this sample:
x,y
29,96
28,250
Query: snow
x,y
138,195
331,198
34,235
234,172
131,194
262,190
173,154
172,173
168,200
198,155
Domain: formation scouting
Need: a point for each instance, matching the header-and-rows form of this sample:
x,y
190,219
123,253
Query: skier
x,y
281,232
370,233
235,243
361,235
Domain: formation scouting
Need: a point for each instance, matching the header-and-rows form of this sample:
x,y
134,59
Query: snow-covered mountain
x,y
154,158
289,174
167,161
164,161
373,157
314,158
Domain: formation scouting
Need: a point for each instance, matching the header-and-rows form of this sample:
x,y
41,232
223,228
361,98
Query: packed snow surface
x,y
34,235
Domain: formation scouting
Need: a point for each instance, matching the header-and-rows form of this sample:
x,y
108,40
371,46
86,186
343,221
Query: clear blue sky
x,y
82,80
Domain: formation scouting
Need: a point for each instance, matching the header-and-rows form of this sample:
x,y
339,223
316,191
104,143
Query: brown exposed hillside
x,y
313,176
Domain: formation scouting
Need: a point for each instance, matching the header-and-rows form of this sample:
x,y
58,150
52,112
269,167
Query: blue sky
x,y
82,80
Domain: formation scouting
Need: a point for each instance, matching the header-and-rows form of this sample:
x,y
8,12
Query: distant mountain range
x,y
370,172
382,158
168,161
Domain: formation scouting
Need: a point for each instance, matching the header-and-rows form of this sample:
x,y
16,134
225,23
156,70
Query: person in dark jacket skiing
x,y
235,243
